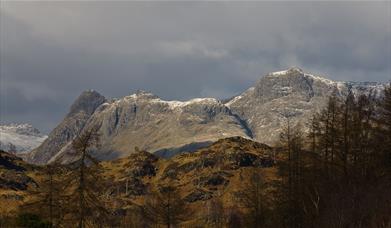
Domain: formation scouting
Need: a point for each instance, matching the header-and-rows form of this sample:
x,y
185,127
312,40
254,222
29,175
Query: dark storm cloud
x,y
50,52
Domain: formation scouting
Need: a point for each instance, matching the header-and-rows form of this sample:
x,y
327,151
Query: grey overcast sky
x,y
52,51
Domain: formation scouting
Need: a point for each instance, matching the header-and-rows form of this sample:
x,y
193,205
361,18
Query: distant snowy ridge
x,y
20,138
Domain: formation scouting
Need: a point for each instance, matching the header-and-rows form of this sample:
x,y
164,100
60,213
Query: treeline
x,y
335,174
339,173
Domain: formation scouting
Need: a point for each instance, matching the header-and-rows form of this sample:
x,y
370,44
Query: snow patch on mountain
x,y
173,105
181,104
237,98
20,138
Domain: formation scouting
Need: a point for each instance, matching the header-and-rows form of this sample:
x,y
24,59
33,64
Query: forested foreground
x,y
335,174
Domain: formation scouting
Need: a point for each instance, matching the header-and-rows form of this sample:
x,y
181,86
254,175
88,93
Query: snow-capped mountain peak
x,y
286,72
20,137
294,93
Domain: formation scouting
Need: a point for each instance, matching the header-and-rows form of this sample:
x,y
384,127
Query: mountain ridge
x,y
20,138
146,121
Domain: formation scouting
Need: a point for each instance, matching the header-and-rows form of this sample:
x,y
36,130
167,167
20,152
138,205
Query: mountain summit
x,y
146,121
79,113
291,94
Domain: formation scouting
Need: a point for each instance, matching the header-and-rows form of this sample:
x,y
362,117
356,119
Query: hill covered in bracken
x,y
214,172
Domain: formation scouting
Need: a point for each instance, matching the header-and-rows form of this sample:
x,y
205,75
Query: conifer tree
x,y
385,127
84,203
213,215
346,120
48,197
345,191
166,208
253,198
291,189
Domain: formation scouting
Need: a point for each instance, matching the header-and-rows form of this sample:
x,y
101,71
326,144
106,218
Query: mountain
x,y
20,138
290,94
79,113
144,120
168,128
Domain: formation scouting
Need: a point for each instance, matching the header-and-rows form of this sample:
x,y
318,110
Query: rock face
x,y
198,195
146,121
10,162
20,138
143,120
289,94
170,127
15,180
80,112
